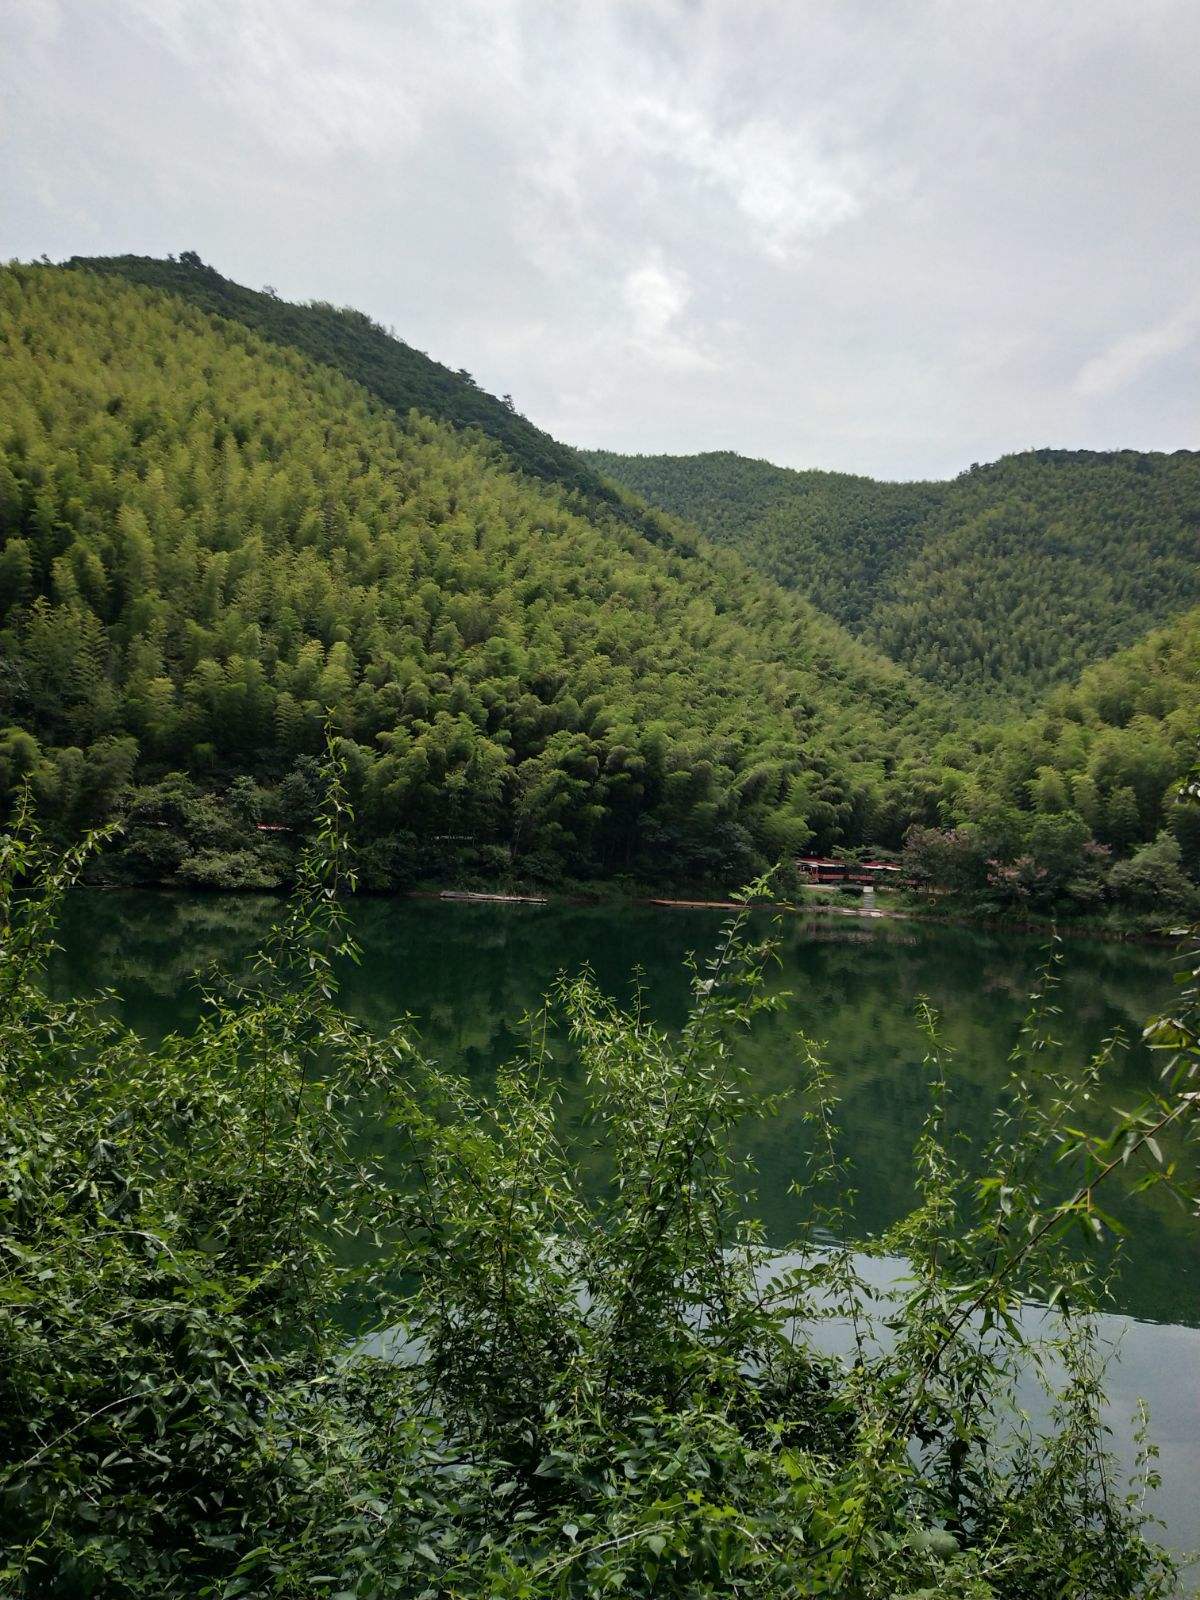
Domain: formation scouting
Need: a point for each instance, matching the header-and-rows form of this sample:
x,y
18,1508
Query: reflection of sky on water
x,y
1145,1361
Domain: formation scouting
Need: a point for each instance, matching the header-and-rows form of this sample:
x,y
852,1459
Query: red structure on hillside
x,y
820,869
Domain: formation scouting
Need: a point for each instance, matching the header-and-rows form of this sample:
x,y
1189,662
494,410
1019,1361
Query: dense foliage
x,y
998,585
569,1394
208,545
1082,803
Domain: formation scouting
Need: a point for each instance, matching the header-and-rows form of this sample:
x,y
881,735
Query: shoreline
x,y
582,897
906,914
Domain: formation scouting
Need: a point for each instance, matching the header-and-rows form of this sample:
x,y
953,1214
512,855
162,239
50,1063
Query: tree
x,y
1088,801
1183,819
1048,791
954,859
16,573
1154,879
1057,846
20,758
1122,820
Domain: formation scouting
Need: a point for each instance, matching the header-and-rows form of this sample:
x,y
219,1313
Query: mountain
x,y
210,542
995,586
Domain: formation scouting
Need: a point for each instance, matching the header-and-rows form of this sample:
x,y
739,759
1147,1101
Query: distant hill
x,y
996,586
209,543
1086,803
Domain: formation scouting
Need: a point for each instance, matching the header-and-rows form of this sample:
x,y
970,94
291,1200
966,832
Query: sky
x,y
885,236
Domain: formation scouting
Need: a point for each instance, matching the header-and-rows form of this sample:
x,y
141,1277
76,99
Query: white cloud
x,y
786,190
655,297
1128,358
311,78
42,19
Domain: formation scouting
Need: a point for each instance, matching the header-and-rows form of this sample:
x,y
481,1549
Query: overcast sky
x,y
890,236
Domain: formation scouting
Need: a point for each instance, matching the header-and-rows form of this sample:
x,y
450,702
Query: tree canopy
x,y
226,522
402,377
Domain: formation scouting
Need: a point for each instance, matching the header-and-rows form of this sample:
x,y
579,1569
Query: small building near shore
x,y
827,869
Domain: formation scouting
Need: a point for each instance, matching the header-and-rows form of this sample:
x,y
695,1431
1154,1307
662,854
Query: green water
x,y
467,972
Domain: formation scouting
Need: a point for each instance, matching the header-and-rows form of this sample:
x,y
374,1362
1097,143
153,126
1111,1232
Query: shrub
x,y
229,869
1154,877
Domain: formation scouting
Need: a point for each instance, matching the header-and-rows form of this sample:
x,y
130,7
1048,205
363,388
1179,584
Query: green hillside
x,y
208,542
1082,800
997,586
1128,728
338,336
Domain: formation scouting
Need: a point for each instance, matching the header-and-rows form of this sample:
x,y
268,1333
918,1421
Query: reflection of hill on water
x,y
152,944
468,972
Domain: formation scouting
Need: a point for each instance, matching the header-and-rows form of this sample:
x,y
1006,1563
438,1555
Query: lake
x,y
467,972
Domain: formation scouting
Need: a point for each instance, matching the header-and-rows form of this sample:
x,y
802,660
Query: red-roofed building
x,y
824,869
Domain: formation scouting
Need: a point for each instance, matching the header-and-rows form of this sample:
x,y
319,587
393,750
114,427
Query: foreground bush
x,y
567,1396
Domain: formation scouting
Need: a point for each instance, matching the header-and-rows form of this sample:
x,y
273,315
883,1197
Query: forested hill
x,y
208,543
402,377
997,585
1111,748
1083,803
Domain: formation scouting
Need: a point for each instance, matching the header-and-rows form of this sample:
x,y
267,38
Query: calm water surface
x,y
468,972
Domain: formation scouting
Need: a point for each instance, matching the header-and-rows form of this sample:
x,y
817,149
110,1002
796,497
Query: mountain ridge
x,y
998,584
399,374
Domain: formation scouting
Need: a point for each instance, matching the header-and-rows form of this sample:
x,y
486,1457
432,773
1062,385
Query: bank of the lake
x,y
1115,926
